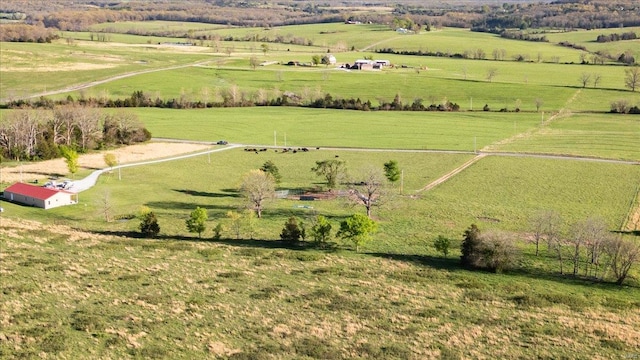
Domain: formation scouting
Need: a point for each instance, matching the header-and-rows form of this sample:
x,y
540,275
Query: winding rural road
x,y
88,182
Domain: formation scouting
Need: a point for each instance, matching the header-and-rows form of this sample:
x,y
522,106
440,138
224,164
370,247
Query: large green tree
x,y
197,221
358,229
331,170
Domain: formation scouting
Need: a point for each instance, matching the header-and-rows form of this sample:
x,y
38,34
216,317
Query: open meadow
x,y
95,296
82,281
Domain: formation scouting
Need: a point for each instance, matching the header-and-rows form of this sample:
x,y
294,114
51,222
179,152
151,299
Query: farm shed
x,y
38,196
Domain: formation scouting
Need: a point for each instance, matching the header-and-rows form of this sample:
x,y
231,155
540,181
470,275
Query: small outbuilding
x,y
39,196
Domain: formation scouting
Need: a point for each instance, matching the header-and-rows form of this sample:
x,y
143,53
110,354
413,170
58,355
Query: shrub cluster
x,y
491,251
520,35
623,107
617,37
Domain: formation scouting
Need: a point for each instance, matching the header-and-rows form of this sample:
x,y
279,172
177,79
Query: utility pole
x,y
401,181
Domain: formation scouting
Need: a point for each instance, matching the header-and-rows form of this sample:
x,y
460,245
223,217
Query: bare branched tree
x,y
369,188
584,79
258,187
545,226
491,73
632,78
623,253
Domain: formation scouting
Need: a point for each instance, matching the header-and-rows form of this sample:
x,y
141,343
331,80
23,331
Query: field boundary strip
x,y
451,174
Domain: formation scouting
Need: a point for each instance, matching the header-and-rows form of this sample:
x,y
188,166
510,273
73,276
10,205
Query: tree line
x,y
598,57
38,134
234,97
26,33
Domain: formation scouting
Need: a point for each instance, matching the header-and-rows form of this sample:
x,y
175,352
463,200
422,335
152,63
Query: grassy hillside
x,y
92,296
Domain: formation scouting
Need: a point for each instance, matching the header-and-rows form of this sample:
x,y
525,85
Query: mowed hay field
x,y
77,286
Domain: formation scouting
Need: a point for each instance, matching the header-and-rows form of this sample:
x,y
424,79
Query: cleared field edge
x,y
632,221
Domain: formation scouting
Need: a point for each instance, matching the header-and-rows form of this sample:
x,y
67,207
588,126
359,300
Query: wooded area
x,y
564,14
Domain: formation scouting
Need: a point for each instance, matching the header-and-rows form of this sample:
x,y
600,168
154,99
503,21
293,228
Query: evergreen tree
x,y
149,225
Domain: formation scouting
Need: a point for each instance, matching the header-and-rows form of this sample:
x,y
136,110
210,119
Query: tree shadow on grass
x,y
439,263
628,232
273,244
225,193
453,264
138,235
180,205
240,243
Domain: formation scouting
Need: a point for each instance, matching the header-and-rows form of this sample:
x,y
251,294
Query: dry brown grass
x,y
127,154
115,297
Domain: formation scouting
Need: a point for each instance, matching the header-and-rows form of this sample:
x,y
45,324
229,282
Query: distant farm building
x,y
38,196
370,64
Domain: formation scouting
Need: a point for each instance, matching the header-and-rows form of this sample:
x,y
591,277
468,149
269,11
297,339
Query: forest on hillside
x,y
482,16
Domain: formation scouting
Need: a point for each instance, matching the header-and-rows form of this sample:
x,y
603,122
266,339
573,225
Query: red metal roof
x,y
36,192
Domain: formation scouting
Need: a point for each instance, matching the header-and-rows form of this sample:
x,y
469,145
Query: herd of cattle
x,y
284,150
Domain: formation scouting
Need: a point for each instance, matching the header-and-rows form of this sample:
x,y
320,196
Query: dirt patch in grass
x,y
60,67
128,154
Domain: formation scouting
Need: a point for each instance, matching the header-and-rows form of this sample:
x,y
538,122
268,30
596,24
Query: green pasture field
x,y
335,36
444,79
505,192
178,27
206,83
175,188
53,64
244,48
452,40
324,127
428,78
587,38
99,297
608,136
496,192
116,38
